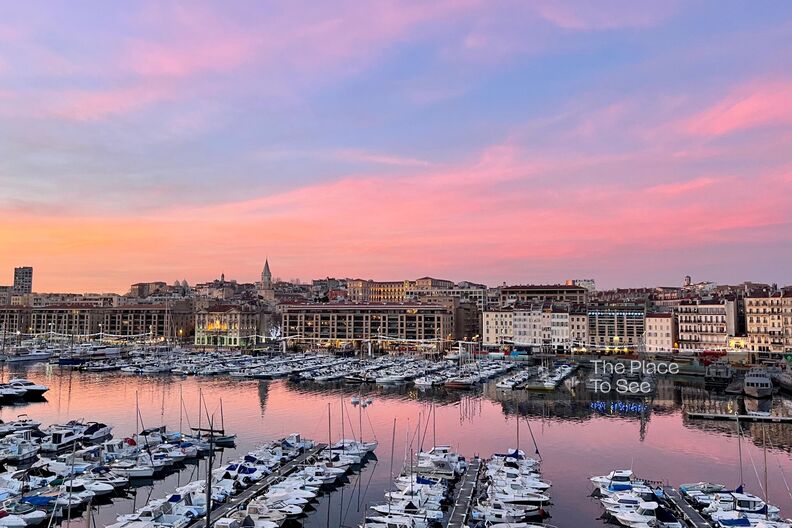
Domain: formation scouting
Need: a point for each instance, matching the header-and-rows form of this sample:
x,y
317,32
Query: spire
x,y
266,276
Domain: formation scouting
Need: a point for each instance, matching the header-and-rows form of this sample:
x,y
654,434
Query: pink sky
x,y
468,140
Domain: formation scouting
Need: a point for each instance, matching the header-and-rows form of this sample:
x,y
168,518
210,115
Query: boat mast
x,y
393,445
181,404
767,501
518,434
209,474
434,424
329,428
343,443
739,448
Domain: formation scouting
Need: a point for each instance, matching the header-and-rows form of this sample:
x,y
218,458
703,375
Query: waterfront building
x,y
497,326
542,326
614,328
350,324
231,325
23,280
707,324
514,295
63,320
769,324
578,326
661,332
174,321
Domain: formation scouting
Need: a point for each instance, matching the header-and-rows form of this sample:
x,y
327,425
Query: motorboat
x,y
59,439
18,448
618,480
32,389
719,373
757,383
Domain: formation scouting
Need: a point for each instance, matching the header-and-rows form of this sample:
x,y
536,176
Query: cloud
x,y
95,105
759,104
603,14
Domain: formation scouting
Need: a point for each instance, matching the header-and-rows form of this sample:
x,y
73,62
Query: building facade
x,y
615,328
544,327
351,324
661,332
514,295
707,324
23,280
231,326
769,324
497,327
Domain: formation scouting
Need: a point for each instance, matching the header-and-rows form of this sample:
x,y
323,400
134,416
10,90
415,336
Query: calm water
x,y
577,435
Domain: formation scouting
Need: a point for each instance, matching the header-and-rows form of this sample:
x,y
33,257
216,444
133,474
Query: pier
x,y
259,487
759,418
464,496
692,517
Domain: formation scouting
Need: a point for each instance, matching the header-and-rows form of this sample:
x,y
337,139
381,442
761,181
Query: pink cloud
x,y
756,105
363,156
677,188
96,105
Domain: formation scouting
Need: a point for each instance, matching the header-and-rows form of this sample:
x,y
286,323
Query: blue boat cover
x,y
39,500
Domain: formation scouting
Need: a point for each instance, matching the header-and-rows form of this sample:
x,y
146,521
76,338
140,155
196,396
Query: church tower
x,y
266,289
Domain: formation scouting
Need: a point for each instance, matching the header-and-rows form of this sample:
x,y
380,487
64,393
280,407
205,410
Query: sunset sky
x,y
520,141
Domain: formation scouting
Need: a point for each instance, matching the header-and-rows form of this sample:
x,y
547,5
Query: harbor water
x,y
576,433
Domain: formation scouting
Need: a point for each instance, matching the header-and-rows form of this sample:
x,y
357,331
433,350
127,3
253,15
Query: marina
x,y
567,423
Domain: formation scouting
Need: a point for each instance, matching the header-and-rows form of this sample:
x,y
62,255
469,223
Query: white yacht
x,y
60,439
32,388
18,448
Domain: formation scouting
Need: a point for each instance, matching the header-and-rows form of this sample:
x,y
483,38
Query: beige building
x,y
350,324
472,295
578,326
497,327
769,324
514,295
706,325
542,326
230,326
661,332
377,291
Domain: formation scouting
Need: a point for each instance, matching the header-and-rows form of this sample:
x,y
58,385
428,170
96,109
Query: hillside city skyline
x,y
279,278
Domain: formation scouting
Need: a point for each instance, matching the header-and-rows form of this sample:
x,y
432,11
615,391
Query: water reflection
x,y
579,432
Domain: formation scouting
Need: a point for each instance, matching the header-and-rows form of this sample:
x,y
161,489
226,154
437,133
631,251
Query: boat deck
x,y
259,487
692,517
463,498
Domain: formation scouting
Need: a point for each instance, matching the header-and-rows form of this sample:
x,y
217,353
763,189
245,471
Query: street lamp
x,y
101,334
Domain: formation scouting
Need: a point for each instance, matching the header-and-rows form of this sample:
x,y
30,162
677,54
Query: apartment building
x,y
352,323
615,328
769,324
661,332
526,294
497,326
707,324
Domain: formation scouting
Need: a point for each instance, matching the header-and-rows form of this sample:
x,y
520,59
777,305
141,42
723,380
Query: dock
x,y
464,496
259,487
692,517
759,418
